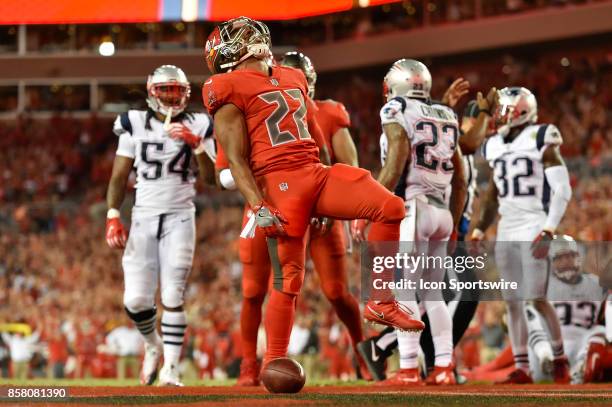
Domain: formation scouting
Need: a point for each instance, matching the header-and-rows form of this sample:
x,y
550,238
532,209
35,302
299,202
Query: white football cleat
x,y
169,376
150,363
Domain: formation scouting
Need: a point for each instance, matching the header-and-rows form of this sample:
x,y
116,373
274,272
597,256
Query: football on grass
x,y
283,375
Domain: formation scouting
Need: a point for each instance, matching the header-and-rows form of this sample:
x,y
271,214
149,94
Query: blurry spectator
x,y
126,343
21,348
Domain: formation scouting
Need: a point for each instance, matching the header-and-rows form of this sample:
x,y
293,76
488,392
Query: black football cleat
x,y
374,357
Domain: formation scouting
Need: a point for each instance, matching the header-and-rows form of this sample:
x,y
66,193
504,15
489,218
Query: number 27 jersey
x,y
275,110
432,130
518,173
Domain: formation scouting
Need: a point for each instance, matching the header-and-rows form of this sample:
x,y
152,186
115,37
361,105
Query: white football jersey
x,y
518,173
164,176
577,305
432,130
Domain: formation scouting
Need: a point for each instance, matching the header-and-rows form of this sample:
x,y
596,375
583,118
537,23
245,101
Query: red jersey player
x,y
327,243
259,117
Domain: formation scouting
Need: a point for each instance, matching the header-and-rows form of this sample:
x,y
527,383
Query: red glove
x,y
541,244
178,131
115,233
358,227
269,219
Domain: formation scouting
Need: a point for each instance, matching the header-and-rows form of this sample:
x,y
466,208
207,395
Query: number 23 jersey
x,y
518,173
432,130
275,110
164,178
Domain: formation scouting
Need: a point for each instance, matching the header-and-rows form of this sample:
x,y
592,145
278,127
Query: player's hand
x,y
487,104
541,244
116,237
475,242
358,227
178,131
459,88
322,224
269,219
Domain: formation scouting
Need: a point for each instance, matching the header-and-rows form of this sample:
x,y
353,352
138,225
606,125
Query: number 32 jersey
x,y
432,130
275,108
518,173
164,178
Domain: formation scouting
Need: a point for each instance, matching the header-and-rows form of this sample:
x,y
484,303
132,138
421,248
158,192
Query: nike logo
x,y
185,220
410,379
441,377
208,82
379,315
375,357
594,361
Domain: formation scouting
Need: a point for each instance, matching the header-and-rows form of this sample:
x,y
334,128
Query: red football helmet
x,y
234,41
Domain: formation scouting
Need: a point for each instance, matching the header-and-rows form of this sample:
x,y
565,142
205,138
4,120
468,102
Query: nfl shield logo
x,y
283,186
274,82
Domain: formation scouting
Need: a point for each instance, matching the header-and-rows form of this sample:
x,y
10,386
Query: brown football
x,y
283,375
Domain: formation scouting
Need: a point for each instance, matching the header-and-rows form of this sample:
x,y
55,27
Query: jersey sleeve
x,y
548,135
202,126
341,116
127,146
216,92
393,112
313,126
221,160
122,124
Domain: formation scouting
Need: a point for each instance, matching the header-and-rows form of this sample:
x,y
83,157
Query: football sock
x,y
517,330
347,309
250,318
441,331
408,342
278,322
173,325
145,322
549,315
386,341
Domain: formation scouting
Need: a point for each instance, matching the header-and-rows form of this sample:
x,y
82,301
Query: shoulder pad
x,y
548,134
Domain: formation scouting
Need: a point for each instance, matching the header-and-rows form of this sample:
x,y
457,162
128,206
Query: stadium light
x,y
106,49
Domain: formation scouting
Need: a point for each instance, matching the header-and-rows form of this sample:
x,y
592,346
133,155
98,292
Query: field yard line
x,y
505,393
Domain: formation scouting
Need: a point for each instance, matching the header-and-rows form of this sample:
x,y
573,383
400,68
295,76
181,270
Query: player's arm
x,y
206,167
116,236
470,141
459,88
488,210
344,147
398,153
458,188
559,182
202,147
231,132
316,133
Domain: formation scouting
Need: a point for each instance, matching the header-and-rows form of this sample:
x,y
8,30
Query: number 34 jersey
x,y
275,110
432,130
164,176
518,173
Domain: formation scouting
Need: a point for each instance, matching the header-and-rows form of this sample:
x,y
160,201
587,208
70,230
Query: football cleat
x,y
593,369
403,377
374,358
361,367
441,376
392,314
249,373
169,376
544,353
517,376
150,363
561,371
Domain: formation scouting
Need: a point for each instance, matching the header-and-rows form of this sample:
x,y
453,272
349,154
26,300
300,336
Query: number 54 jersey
x,y
432,130
164,176
518,173
275,109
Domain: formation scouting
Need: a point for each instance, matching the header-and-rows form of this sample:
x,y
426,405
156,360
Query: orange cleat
x,y
441,376
593,369
561,371
392,314
517,376
249,373
403,377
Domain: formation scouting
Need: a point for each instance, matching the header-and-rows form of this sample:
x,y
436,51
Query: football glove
x,y
116,237
358,227
541,244
322,224
178,131
269,219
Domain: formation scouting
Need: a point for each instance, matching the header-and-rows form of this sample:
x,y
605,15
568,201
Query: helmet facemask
x,y
168,88
516,107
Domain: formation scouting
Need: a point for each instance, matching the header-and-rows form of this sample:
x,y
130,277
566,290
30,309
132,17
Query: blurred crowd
x,y
61,286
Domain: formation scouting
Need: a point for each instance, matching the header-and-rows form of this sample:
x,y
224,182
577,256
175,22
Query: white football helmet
x,y
565,258
168,87
407,77
516,106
